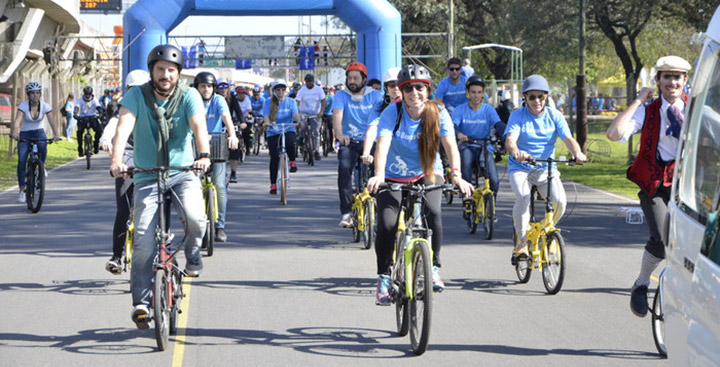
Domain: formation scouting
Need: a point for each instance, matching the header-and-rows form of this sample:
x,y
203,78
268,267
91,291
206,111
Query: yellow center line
x,y
182,324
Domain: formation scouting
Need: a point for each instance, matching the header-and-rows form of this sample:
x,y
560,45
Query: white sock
x,y
649,264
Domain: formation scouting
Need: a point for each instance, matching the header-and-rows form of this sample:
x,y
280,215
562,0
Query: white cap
x,y
672,63
504,95
137,77
390,75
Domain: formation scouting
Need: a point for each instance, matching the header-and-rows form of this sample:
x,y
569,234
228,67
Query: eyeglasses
x,y
453,69
408,88
540,97
280,88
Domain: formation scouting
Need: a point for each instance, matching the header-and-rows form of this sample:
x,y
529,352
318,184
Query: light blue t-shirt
x,y
213,113
356,115
328,105
536,134
403,159
146,135
257,106
451,95
284,115
475,124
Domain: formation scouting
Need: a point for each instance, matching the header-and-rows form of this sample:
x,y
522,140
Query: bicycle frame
x,y
360,198
479,192
207,184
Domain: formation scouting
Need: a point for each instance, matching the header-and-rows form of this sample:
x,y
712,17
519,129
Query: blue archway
x,y
376,22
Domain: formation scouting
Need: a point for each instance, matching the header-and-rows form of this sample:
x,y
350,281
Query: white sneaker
x,y
21,198
345,221
141,316
46,173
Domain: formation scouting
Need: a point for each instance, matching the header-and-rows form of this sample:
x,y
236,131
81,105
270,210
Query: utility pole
x,y
581,126
451,29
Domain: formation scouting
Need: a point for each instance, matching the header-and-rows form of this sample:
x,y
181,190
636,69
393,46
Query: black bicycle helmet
x,y
296,85
413,73
474,80
88,90
205,77
166,53
309,77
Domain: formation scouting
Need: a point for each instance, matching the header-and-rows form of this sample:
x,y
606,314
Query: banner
x,y
306,56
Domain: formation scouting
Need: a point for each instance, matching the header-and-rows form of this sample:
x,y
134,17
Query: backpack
x,y
63,111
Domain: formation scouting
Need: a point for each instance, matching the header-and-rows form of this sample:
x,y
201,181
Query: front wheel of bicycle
x,y
35,185
177,295
523,269
355,218
448,194
420,307
284,169
370,227
658,323
161,310
209,239
489,216
470,216
553,269
88,146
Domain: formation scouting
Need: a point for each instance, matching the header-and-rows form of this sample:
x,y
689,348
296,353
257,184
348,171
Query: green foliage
x,y
59,153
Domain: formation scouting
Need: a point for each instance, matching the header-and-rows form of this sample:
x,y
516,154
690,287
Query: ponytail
x,y
273,107
429,139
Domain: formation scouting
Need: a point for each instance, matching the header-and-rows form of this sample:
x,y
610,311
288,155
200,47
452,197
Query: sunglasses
x,y
408,88
540,97
222,86
280,88
453,69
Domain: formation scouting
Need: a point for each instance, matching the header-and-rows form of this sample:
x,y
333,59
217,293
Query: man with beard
x,y
163,118
451,90
311,103
352,108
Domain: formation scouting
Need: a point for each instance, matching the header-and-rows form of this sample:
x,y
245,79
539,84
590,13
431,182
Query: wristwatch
x,y
202,155
456,173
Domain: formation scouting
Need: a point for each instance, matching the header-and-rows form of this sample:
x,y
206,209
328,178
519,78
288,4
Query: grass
x,y
59,153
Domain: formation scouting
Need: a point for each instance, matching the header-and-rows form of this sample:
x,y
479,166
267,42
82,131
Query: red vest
x,y
646,171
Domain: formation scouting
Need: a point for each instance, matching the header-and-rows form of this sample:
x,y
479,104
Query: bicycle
x,y
450,193
363,208
284,164
480,207
545,242
88,146
326,139
258,133
658,318
307,147
35,176
411,277
218,154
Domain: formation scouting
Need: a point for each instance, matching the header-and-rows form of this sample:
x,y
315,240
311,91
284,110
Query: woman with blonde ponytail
x,y
409,135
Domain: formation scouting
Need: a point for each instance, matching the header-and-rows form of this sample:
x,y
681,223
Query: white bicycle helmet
x,y
136,78
33,87
391,75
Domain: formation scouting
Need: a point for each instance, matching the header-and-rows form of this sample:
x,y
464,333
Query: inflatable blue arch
x,y
376,22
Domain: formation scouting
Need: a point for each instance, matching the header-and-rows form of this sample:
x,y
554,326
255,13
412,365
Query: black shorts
x,y
234,154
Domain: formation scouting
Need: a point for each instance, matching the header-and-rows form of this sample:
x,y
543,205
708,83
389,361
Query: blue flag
x,y
307,57
241,64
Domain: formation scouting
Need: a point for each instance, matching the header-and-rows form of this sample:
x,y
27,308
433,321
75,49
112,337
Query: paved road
x,y
289,288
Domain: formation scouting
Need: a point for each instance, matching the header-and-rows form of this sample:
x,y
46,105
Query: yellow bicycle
x,y
363,208
480,207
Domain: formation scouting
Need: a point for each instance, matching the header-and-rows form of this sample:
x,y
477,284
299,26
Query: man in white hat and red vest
x,y
659,124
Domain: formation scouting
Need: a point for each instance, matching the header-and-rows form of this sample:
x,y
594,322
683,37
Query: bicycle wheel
x,y
209,239
355,224
35,186
177,296
448,194
161,311
398,290
327,142
310,148
129,237
489,217
470,215
256,143
420,307
283,178
553,269
370,227
88,146
523,269
658,323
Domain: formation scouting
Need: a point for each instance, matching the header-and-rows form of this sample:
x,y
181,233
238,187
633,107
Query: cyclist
x,y
505,106
532,132
217,114
311,102
123,186
327,113
282,110
29,125
451,90
659,123
88,106
244,105
392,95
375,84
162,143
223,88
409,134
257,101
351,112
295,88
477,120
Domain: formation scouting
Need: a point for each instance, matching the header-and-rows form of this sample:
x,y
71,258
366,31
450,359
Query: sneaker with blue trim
x,y
438,284
382,292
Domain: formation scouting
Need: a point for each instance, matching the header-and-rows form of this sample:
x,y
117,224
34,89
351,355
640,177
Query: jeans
x,y
219,180
347,157
23,148
521,183
188,203
470,154
70,124
123,197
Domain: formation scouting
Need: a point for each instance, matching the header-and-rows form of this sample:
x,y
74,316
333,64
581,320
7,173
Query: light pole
x,y
581,126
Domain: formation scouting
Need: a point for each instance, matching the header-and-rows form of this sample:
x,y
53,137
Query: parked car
x,y
691,281
5,108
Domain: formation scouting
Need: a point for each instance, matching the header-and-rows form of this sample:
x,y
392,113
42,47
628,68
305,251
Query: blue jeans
x,y
188,192
70,124
23,148
347,157
470,154
219,180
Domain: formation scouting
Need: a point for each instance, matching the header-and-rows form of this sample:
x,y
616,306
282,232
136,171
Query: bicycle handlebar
x,y
132,170
533,161
48,141
412,188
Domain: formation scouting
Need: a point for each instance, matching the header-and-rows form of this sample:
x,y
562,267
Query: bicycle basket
x,y
218,147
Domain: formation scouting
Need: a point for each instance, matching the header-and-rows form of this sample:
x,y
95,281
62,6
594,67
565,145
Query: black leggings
x,y
274,147
388,206
246,137
123,199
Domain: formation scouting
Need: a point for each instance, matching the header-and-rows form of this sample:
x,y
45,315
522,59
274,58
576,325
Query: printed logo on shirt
x,y
405,136
541,130
474,121
399,167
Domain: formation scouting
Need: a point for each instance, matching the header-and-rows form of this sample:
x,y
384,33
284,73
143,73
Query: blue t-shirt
x,y
403,159
536,134
356,115
146,135
284,115
475,124
266,94
328,105
451,95
213,113
257,106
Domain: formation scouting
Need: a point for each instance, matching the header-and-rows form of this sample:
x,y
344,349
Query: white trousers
x,y
521,183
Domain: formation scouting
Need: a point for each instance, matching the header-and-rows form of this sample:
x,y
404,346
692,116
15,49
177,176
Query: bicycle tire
x,y
553,269
420,307
523,269
448,194
470,222
129,238
311,148
283,178
177,296
658,323
401,302
327,142
369,228
356,234
161,315
489,217
209,239
256,143
88,145
35,186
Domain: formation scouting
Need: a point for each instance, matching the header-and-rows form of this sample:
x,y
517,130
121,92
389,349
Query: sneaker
x,y
382,291
80,153
21,198
69,139
638,300
233,177
114,265
46,173
345,220
520,254
273,189
141,316
317,156
438,284
220,235
193,269
293,166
